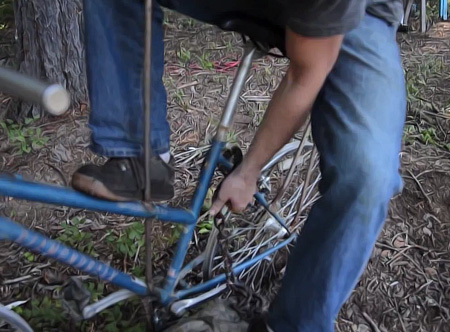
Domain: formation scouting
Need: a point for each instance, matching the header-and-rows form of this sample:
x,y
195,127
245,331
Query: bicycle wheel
x,y
289,181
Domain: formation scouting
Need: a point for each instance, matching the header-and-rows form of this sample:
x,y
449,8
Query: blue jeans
x,y
114,31
357,123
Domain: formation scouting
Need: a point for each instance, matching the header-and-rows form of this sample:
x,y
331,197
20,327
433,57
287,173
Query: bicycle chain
x,y
248,304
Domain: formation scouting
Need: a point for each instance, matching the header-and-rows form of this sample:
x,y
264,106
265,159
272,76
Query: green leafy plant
x,y
76,238
191,22
410,133
6,13
428,136
175,235
179,97
205,227
205,62
432,10
42,314
232,137
138,271
412,88
96,290
29,256
130,240
23,136
115,321
183,55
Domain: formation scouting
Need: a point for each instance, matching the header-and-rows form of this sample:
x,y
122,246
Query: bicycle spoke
x,y
291,189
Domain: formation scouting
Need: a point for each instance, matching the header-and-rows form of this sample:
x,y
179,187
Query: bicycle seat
x,y
257,19
258,30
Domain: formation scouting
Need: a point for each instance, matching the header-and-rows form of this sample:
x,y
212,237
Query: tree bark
x,y
50,46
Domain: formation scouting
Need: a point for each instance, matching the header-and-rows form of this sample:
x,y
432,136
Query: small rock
x,y
376,252
430,271
363,328
399,242
426,231
385,253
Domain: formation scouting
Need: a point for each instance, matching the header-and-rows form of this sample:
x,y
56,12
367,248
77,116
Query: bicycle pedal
x,y
75,298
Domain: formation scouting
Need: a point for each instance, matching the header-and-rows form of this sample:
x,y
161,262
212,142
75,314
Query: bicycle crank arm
x,y
178,308
91,310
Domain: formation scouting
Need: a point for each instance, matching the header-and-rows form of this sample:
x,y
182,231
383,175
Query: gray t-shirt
x,y
317,18
314,18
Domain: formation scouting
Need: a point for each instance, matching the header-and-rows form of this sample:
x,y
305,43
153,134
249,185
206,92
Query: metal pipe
x,y
235,92
14,320
423,16
147,96
206,175
53,97
443,8
312,160
179,308
148,144
407,12
288,178
93,309
51,194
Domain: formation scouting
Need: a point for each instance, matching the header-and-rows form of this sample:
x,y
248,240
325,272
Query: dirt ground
x,y
406,286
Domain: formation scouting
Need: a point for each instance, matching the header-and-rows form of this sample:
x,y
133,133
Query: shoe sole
x,y
95,188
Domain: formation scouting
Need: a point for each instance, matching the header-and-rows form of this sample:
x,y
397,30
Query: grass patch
x,y
183,55
24,137
176,231
205,62
417,79
76,238
6,14
42,315
128,242
47,313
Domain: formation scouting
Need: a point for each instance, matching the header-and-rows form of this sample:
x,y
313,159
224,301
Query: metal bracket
x,y
95,308
179,307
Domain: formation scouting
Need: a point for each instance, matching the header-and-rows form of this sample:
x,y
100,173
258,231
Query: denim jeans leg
x,y
115,31
357,125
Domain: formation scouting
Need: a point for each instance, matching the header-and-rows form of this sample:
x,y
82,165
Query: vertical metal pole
x,y
147,95
312,160
287,179
407,12
236,89
148,149
423,15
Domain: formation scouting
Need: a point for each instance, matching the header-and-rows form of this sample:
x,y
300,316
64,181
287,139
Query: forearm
x,y
286,113
311,60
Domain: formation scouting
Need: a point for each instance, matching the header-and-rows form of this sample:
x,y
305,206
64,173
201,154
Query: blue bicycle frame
x,y
443,9
15,186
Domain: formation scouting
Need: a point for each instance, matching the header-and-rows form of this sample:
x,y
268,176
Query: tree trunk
x,y
50,46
